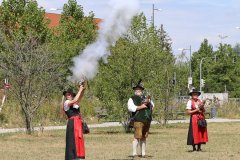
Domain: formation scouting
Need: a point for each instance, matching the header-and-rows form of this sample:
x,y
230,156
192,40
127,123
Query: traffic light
x,y
202,82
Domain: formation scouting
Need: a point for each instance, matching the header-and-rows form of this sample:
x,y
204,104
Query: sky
x,y
187,22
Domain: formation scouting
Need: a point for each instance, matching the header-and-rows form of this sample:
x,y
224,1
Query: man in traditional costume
x,y
141,108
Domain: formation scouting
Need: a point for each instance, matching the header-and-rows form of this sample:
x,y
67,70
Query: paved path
x,y
109,124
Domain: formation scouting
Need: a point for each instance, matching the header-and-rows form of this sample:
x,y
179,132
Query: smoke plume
x,y
111,29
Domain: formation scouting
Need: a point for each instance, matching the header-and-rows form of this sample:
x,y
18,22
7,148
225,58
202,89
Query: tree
x,y
25,57
237,49
23,21
75,32
205,51
220,68
181,69
226,70
31,71
236,72
140,54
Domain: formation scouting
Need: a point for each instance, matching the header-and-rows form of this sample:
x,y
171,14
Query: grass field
x,y
164,143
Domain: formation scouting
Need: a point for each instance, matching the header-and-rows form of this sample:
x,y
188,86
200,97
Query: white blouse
x,y
66,107
132,107
189,104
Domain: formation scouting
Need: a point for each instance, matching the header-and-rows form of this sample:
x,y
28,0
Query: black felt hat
x,y
69,90
139,85
194,91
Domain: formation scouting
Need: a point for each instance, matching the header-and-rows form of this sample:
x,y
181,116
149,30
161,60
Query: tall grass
x,y
50,113
230,109
11,115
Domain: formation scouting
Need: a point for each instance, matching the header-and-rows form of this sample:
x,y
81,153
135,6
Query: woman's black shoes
x,y
198,148
194,148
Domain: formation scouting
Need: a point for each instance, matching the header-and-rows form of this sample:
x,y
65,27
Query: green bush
x,y
50,113
11,115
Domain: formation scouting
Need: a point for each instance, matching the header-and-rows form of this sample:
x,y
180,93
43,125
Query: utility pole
x,y
153,14
222,37
200,78
153,10
190,66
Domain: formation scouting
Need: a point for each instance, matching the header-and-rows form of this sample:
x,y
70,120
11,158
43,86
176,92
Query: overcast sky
x,y
187,22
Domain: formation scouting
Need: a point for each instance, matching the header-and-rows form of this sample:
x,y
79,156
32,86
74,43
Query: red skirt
x,y
74,139
199,135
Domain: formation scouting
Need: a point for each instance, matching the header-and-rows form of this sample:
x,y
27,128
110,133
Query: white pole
x,y
200,79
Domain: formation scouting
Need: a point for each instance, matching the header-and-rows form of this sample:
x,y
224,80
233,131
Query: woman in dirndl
x,y
196,135
74,136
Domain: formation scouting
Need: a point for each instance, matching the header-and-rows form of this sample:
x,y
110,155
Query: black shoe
x,y
144,156
194,149
199,147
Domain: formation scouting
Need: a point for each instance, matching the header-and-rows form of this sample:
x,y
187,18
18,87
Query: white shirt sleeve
x,y
189,105
65,105
131,106
76,106
152,104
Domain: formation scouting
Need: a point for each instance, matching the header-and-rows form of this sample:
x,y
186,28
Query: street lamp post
x,y
153,10
222,37
200,74
190,65
200,79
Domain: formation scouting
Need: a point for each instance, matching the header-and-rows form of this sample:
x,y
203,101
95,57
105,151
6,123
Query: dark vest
x,y
72,112
143,115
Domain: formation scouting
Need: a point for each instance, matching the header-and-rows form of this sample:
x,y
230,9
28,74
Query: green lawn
x,y
164,143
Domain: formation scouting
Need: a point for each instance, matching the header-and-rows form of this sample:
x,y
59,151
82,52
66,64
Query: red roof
x,y
55,19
